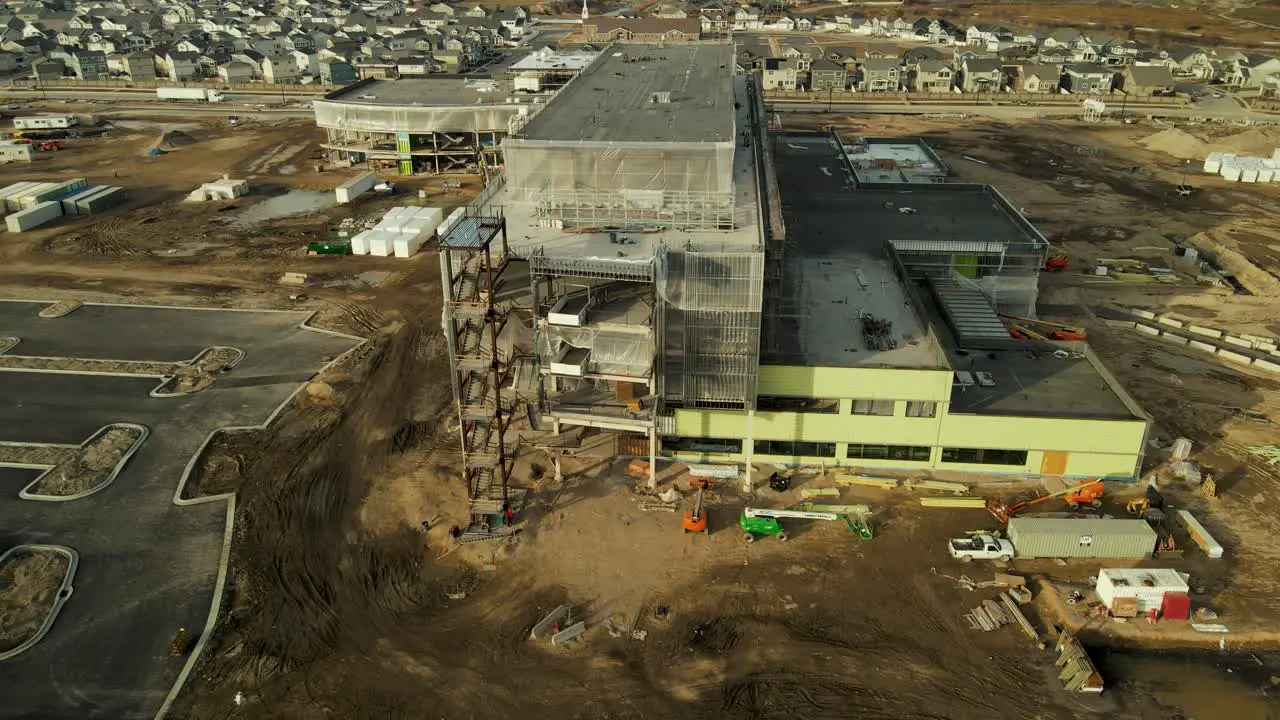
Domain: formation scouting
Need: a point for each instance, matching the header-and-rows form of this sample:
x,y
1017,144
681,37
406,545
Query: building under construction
x,y
710,290
445,124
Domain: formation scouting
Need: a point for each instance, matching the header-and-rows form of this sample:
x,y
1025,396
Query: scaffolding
x,y
673,184
471,269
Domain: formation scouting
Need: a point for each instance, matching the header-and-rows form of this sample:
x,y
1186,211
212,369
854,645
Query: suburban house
x,y
182,66
827,75
1146,80
1191,62
642,30
930,76
1038,78
1261,69
1230,73
90,64
715,21
336,72
880,75
280,69
780,74
915,55
981,75
139,65
235,72
1087,78
746,18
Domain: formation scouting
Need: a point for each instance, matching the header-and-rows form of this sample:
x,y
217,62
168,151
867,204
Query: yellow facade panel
x,y
855,382
1027,433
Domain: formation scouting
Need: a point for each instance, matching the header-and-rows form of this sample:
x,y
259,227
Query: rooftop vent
x,y
661,98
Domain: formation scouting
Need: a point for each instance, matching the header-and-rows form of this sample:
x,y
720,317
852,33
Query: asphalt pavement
x,y
147,566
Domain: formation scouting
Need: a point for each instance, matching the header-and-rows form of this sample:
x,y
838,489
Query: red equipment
x,y
1086,493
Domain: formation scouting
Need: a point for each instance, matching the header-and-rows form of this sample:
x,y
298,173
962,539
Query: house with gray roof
x,y
981,75
1146,80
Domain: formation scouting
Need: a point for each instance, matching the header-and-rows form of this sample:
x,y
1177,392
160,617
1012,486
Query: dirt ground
x,y
89,466
29,583
340,603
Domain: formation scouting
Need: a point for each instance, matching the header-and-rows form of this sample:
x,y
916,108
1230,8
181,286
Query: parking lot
x,y
147,566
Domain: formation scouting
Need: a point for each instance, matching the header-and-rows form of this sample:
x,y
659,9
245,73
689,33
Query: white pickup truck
x,y
982,547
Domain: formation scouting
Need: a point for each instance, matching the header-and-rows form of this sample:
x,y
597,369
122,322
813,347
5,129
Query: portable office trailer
x,y
1081,537
45,122
1148,586
15,152
355,187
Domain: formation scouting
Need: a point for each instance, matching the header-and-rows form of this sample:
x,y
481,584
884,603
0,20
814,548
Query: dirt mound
x,y
1177,143
175,138
1255,141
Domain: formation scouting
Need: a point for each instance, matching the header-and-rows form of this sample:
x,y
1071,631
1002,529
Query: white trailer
x,y
45,122
198,94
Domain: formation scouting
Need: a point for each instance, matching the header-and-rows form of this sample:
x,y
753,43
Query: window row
x,y
827,406
854,451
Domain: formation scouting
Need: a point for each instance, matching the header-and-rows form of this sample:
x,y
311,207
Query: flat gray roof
x,y
838,271
425,92
1035,382
613,99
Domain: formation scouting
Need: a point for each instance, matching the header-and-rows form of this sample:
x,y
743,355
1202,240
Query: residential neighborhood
x,y
336,42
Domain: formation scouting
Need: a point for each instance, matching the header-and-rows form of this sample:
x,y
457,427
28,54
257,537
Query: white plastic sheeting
x,y
612,352
484,117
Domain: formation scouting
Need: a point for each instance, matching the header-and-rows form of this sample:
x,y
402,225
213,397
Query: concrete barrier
x,y
1119,323
1234,357
1175,339
1202,346
1144,314
1239,342
1146,329
1267,365
1207,332
1166,320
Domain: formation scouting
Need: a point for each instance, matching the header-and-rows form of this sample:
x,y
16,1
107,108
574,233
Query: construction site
x,y
730,414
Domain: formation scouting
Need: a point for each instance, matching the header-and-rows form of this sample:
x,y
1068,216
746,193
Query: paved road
x,y
147,566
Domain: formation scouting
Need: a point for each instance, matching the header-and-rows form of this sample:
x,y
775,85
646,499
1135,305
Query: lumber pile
x,y
868,481
1075,669
939,485
954,502
988,616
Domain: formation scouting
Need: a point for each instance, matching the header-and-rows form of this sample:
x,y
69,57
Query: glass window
x,y
922,408
796,448
872,407
702,445
913,453
978,456
775,403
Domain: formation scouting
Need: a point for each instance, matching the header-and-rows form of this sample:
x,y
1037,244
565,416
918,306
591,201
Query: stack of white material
x,y
1244,168
401,232
450,221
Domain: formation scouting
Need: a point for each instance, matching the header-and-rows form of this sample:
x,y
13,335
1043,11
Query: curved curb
x,y
26,494
219,586
69,306
159,390
64,593
7,343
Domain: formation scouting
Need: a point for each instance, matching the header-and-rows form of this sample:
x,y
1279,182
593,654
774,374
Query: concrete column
x,y
747,446
555,427
653,458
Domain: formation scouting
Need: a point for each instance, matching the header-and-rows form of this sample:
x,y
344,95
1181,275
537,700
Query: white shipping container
x,y
15,188
1249,174
1265,174
355,187
1147,585
34,217
1213,162
17,201
1230,172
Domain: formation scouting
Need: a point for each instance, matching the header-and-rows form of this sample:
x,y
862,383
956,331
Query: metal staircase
x,y
473,258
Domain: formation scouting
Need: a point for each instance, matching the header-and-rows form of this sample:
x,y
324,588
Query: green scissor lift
x,y
759,522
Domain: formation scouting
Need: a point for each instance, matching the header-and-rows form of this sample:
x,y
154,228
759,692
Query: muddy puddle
x,y
1194,686
294,202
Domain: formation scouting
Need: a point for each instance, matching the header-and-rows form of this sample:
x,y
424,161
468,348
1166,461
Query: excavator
x,y
1088,493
